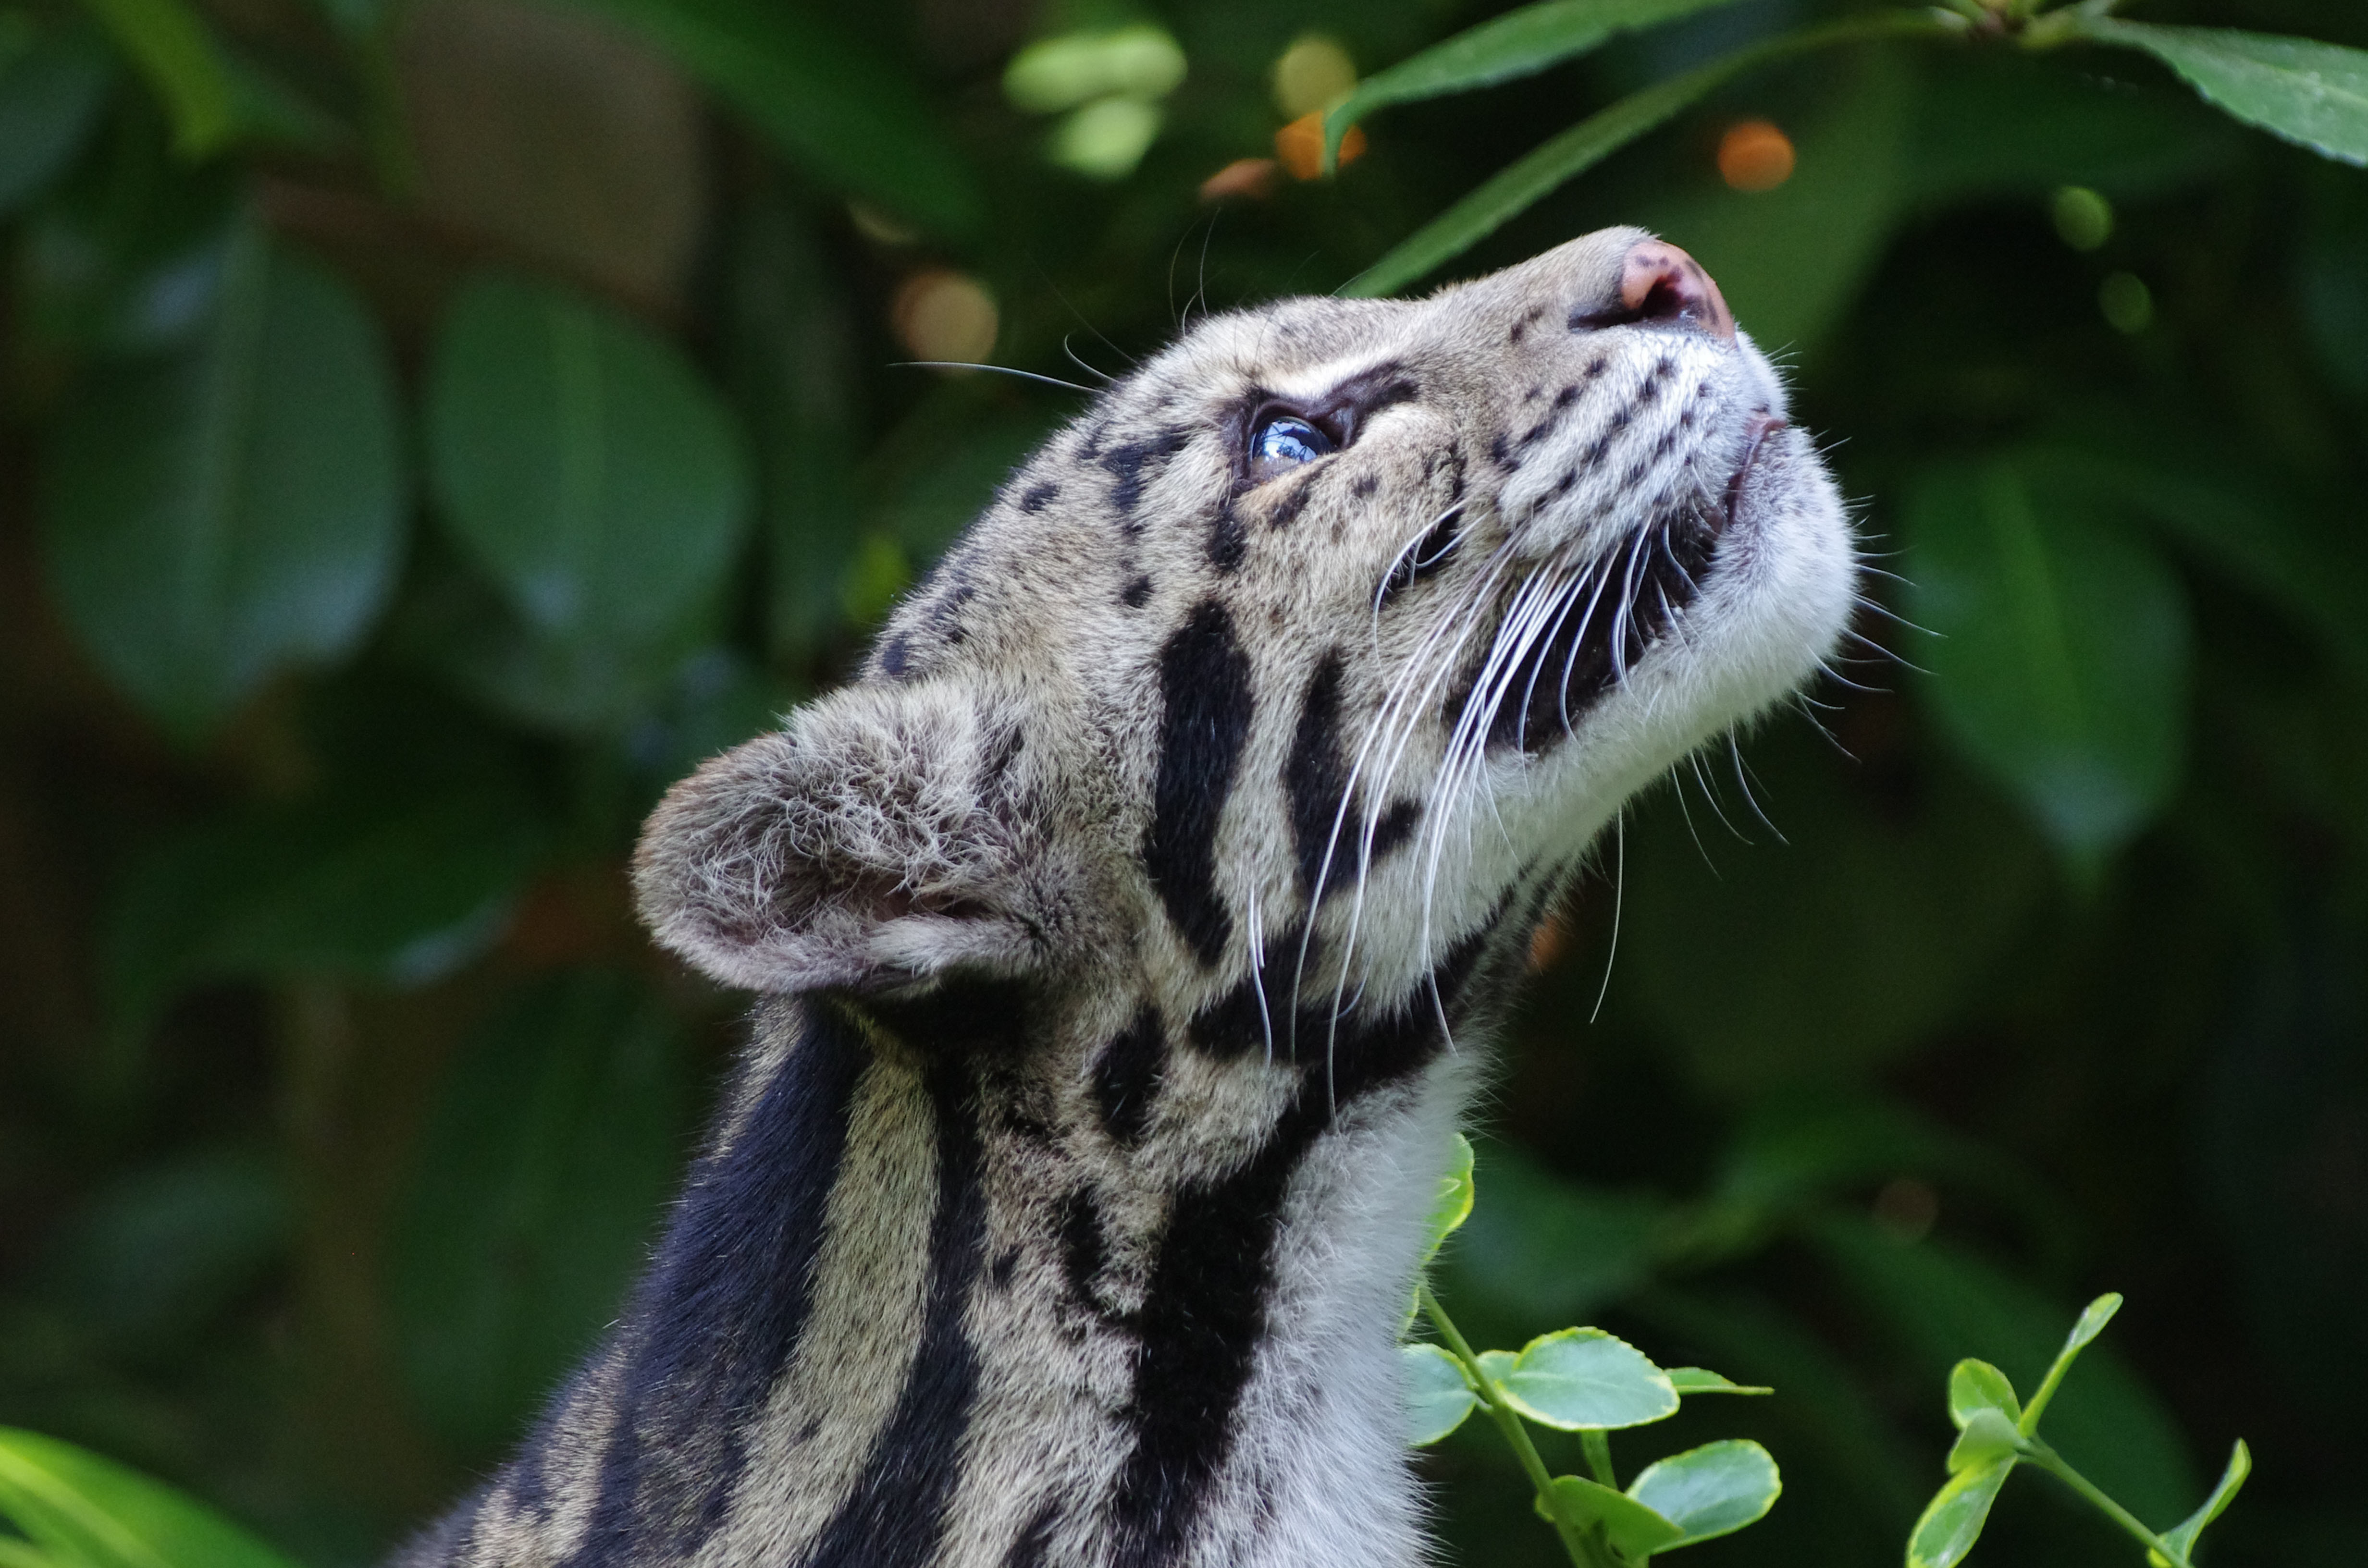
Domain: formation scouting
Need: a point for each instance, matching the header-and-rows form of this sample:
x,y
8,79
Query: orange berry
x,y
1300,145
1755,156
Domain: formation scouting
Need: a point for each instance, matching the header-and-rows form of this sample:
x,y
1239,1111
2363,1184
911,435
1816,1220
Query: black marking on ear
x,y
711,1325
895,1518
1229,540
1038,496
1135,594
1127,1076
1364,484
1316,780
1205,699
892,657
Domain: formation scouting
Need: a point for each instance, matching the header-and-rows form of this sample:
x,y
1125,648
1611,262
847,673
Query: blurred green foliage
x,y
432,426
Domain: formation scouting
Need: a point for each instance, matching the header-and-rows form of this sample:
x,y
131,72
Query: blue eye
x,y
1283,443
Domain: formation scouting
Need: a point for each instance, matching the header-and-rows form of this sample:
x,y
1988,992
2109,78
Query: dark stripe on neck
x,y
1204,1315
1204,1310
712,1324
1204,688
896,1515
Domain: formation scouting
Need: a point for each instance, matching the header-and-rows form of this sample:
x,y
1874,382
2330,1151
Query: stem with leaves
x,y
1583,1553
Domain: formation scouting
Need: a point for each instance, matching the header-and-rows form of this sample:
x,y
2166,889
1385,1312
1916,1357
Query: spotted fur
x,y
1129,933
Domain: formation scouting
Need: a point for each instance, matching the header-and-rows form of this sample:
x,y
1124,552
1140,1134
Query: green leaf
x,y
88,1512
1827,1415
1953,1521
1518,43
2239,517
1988,1436
1938,1302
2181,1537
583,464
1975,1386
2091,1323
175,49
1583,1379
1702,1380
1710,1491
534,1191
1634,1531
1454,1204
215,517
398,892
1515,187
2310,92
52,85
821,94
18,1552
1437,1393
2060,656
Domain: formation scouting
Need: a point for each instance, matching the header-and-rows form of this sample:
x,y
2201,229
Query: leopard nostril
x,y
1661,285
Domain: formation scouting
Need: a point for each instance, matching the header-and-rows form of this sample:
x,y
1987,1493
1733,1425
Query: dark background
x,y
339,1094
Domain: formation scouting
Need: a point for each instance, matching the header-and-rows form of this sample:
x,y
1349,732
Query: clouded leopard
x,y
1126,937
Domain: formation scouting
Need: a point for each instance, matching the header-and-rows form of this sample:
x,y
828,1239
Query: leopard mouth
x,y
1602,622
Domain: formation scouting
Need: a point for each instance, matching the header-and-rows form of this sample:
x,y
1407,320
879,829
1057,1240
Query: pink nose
x,y
1661,283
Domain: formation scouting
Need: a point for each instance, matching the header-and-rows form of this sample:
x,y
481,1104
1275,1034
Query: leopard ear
x,y
885,836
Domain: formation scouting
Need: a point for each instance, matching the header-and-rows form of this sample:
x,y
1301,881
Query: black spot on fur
x,y
712,1325
1127,464
896,1515
1084,1249
1205,698
1127,1076
1040,496
1364,484
1501,450
1228,542
1137,593
1395,828
1315,779
1292,503
892,658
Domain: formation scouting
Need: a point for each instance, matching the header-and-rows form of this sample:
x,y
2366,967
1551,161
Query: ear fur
x,y
888,834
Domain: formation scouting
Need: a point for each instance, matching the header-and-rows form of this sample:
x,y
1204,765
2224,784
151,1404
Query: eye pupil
x,y
1285,442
